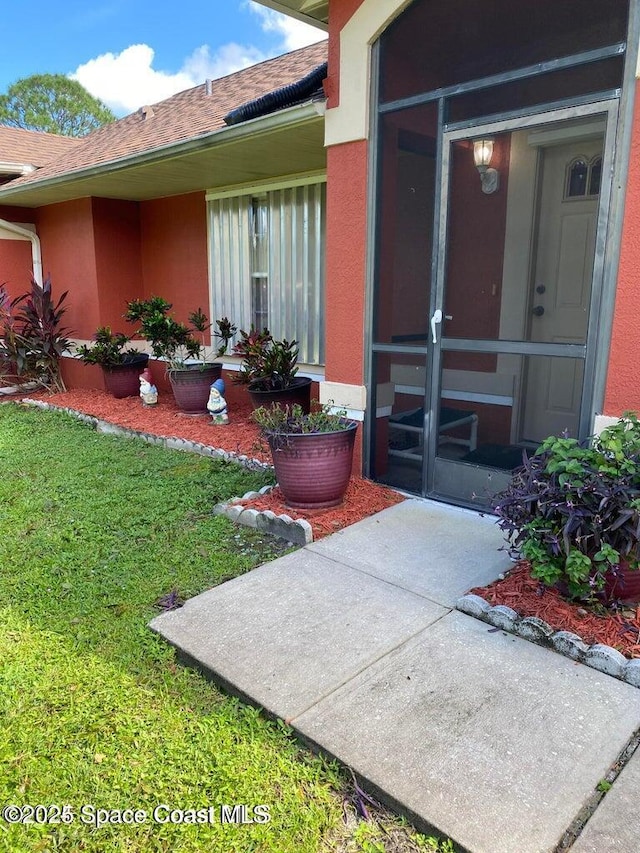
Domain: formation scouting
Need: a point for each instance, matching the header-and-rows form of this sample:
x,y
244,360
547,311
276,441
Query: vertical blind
x,y
294,259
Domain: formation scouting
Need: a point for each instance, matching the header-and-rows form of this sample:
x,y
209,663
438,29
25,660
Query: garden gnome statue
x,y
217,405
148,391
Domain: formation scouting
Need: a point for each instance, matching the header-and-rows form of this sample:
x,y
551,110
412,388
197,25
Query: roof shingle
x,y
30,147
186,115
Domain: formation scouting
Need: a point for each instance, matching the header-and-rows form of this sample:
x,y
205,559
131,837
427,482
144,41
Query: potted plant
x,y
182,345
120,367
312,453
573,511
269,369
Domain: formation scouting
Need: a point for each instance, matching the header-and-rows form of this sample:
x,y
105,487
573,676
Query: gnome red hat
x,y
146,375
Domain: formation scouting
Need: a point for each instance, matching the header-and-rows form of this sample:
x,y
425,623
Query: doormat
x,y
505,456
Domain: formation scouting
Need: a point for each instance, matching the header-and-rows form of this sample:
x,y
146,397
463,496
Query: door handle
x,y
436,318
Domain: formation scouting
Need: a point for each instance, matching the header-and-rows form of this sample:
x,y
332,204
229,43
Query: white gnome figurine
x,y
148,391
217,405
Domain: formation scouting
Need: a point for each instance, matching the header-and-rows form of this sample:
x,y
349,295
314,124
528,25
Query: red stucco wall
x,y
116,227
346,257
16,266
68,256
16,260
174,252
623,386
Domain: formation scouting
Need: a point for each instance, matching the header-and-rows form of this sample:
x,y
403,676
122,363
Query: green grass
x,y
94,710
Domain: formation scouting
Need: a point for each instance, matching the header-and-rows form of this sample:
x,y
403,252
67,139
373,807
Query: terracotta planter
x,y
122,380
299,392
313,469
191,386
624,584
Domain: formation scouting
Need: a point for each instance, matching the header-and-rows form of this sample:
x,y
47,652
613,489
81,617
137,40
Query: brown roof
x,y
184,116
30,147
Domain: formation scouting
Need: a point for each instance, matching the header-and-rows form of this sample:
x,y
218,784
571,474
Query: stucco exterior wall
x,y
118,258
174,252
346,262
16,266
16,262
623,384
68,256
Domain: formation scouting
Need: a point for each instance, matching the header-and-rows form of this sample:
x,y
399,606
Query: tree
x,y
53,103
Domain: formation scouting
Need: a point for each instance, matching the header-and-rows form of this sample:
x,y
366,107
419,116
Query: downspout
x,y
36,252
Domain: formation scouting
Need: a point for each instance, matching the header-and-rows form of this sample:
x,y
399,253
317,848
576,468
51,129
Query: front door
x,y
561,282
517,273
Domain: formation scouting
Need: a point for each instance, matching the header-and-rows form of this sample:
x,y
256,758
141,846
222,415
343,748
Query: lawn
x,y
94,531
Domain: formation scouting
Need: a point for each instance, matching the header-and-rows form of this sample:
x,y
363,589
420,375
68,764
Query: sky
x,y
129,53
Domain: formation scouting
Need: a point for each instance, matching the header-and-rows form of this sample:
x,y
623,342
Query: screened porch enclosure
x,y
490,273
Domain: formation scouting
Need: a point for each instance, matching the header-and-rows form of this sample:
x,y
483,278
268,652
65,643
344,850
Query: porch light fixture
x,y
482,153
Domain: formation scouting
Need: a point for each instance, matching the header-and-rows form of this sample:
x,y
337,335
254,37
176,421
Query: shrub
x,y
270,365
573,508
292,420
33,338
174,341
108,349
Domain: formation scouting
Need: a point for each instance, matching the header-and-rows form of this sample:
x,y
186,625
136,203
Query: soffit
x,y
315,12
253,158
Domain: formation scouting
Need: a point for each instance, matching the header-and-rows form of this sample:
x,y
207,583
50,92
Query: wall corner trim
x,y
342,396
349,121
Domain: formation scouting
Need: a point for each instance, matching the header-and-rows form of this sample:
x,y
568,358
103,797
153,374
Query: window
x,y
577,183
583,179
259,254
267,262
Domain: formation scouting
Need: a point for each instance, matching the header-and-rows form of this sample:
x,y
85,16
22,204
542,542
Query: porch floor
x,y
355,642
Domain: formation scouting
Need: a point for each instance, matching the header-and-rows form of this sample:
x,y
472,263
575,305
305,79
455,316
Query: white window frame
x,y
230,270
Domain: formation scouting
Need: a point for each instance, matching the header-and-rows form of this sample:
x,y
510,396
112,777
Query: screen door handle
x,y
436,318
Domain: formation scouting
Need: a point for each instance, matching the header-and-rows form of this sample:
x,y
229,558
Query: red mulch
x,y
529,597
165,419
240,436
363,498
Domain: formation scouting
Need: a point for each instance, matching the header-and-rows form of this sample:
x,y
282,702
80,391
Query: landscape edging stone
x,y
598,656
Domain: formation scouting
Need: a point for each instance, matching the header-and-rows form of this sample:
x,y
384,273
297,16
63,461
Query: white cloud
x,y
127,80
292,33
202,64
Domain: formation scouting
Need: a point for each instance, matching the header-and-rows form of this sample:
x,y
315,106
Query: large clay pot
x,y
313,469
191,386
122,380
298,393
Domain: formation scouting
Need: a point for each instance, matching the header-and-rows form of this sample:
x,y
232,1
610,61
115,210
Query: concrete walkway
x,y
482,736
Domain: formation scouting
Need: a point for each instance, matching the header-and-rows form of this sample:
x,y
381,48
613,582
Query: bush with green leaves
x,y
292,420
173,341
108,349
573,508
